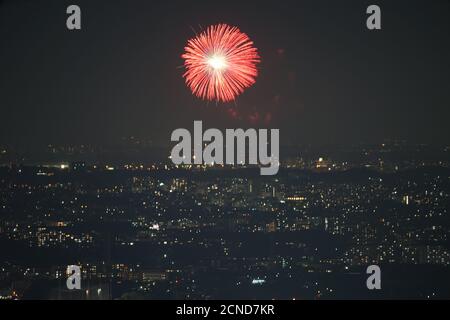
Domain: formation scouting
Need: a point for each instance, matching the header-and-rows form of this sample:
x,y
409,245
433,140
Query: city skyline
x,y
213,232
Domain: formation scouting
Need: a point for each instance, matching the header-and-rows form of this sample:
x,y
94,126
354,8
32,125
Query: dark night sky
x,y
324,78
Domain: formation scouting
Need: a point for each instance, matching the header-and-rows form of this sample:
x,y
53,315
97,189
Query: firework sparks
x,y
220,63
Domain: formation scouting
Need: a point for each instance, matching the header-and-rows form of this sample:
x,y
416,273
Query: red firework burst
x,y
220,63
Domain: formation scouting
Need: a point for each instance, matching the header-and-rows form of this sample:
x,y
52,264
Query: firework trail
x,y
220,63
